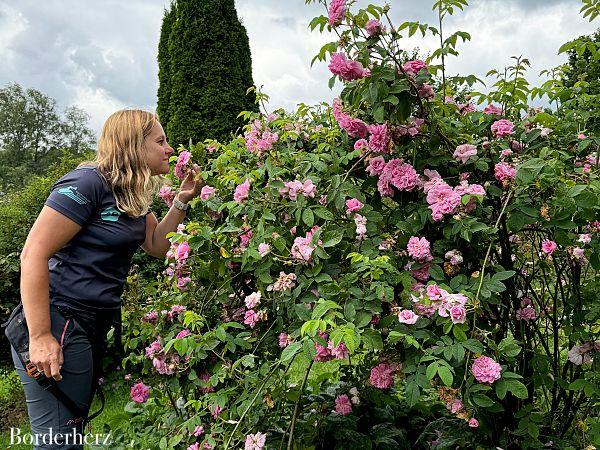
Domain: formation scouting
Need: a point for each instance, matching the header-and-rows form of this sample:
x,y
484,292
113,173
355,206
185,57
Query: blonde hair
x,y
121,160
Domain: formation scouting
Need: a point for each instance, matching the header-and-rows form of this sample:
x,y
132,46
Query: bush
x,y
399,255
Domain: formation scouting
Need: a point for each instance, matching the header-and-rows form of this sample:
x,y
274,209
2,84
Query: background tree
x,y
164,65
32,133
210,70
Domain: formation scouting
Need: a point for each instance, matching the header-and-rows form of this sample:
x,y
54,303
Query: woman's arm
x,y
50,232
156,244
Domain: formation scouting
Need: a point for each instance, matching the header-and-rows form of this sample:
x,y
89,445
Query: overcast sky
x,y
101,55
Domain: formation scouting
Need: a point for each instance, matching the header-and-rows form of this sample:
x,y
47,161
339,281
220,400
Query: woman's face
x,y
157,150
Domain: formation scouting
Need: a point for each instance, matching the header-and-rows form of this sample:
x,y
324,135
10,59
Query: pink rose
x,y
486,370
343,405
347,69
548,247
255,441
251,318
413,67
337,11
502,128
207,192
241,191
473,423
407,316
458,314
374,27
263,249
492,110
464,152
376,166
379,141
504,172
353,205
382,375
140,393
419,248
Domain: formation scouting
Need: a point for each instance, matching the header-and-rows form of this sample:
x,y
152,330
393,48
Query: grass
x,y
11,394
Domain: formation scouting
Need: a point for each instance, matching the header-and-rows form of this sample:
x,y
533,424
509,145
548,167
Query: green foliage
x,y
164,65
209,71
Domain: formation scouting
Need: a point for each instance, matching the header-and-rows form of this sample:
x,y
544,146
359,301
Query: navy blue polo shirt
x,y
88,274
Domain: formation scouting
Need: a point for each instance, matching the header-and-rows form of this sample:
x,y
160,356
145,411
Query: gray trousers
x,y
50,420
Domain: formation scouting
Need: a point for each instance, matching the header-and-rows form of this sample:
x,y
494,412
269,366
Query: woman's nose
x,y
169,150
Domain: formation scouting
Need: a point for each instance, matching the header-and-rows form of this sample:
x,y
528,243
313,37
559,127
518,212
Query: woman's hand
x,y
191,185
46,354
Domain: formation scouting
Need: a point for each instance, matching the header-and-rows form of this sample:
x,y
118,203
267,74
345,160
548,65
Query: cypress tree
x,y
210,71
164,66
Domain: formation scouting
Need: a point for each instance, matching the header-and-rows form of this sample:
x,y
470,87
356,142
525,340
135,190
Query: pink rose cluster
x,y
382,375
242,191
502,128
140,393
504,173
432,299
251,317
486,370
413,67
259,139
337,11
347,69
353,205
443,199
361,226
207,193
291,189
395,173
354,127
164,364
183,165
179,252
330,352
285,340
303,247
167,194
426,92
413,128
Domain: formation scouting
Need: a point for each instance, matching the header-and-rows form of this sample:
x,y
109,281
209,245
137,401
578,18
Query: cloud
x,y
102,55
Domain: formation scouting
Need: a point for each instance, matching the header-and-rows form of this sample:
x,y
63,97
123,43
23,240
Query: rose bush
x,y
399,269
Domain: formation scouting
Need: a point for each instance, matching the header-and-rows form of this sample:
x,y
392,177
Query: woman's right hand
x,y
46,354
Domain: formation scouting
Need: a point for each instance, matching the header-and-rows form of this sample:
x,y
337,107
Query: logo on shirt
x,y
71,192
110,214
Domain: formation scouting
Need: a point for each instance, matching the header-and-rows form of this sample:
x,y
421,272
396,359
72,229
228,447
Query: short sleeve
x,y
77,195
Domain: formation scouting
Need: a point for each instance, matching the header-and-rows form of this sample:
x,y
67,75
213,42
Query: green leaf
x,y
291,350
372,339
323,213
482,400
412,393
322,307
501,389
445,375
331,238
308,217
432,370
516,388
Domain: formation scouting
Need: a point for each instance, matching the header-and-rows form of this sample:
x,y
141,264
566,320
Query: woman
x,y
78,253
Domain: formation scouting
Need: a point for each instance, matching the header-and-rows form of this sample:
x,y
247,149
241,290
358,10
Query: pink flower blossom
x,y
293,188
376,166
323,352
374,27
255,441
153,348
215,411
362,145
259,138
198,430
379,141
506,152
464,152
183,164
354,127
182,282
382,375
140,393
486,370
150,317
548,246
419,248
361,226
183,333
426,92
526,314
492,110
253,300
413,67
263,249
502,128
167,194
353,205
205,378
580,354
251,318
340,351
585,238
207,192
504,172
407,316
347,69
442,200
303,247
455,406
241,192
473,423
284,340
283,282
343,405
182,252
194,446
337,11
458,314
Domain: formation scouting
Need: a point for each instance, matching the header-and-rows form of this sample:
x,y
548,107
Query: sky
x,y
101,55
